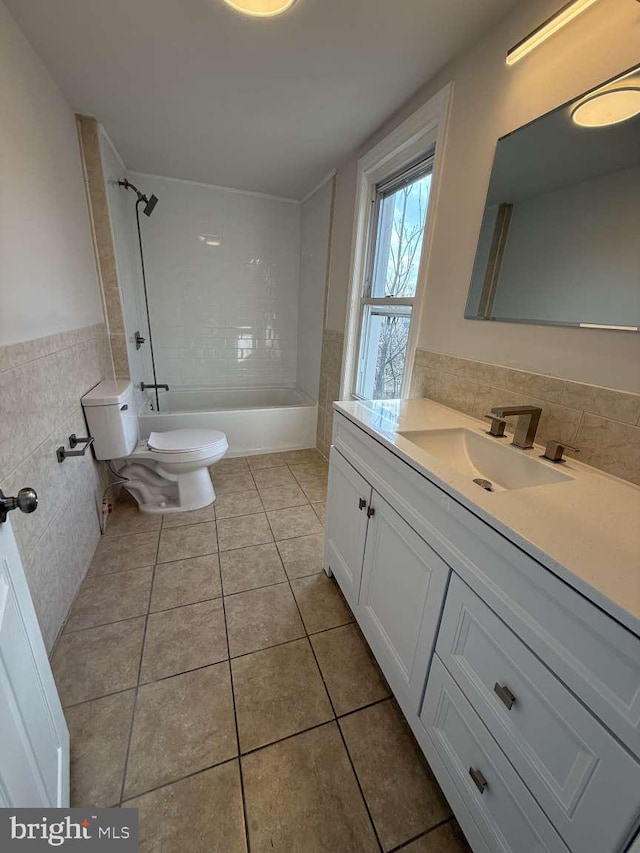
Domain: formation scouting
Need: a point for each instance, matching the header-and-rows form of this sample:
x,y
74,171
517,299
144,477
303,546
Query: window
x,y
394,250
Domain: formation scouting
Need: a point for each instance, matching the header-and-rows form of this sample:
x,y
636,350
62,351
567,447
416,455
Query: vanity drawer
x,y
587,784
505,812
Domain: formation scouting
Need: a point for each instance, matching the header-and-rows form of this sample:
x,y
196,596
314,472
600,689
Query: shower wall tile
x,y
222,315
40,390
602,422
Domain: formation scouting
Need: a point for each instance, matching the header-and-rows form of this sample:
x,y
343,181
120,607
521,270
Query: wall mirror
x,y
560,236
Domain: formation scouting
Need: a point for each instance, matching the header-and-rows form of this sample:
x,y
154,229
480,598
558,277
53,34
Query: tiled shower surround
x,y
41,383
222,273
602,422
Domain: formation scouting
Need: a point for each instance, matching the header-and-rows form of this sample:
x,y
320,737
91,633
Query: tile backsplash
x,y
604,424
330,372
41,383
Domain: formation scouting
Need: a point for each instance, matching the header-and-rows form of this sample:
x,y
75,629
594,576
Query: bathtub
x,y
255,420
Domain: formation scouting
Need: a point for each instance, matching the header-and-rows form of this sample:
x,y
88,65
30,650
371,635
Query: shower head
x,y
150,205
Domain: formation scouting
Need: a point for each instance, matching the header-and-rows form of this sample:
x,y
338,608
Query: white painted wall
x,y
227,315
491,99
572,255
314,248
48,278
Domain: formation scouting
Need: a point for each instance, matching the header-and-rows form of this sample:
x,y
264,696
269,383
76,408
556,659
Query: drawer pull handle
x,y
478,779
505,695
361,504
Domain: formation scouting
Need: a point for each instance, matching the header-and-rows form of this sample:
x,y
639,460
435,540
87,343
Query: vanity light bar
x,y
556,22
608,326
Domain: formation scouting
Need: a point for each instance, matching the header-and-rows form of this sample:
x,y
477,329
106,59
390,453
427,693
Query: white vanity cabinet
x,y
524,696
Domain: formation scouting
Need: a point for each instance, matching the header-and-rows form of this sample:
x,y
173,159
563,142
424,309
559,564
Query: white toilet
x,y
166,473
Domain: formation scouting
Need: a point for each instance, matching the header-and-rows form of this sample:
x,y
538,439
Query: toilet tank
x,y
112,418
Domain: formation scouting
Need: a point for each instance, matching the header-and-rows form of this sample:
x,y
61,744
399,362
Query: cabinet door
x,y
347,502
401,599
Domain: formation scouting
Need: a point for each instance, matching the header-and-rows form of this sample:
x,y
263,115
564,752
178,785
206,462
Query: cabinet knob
x,y
370,512
505,695
361,504
478,779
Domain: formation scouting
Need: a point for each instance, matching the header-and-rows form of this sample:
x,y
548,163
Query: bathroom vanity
x,y
507,622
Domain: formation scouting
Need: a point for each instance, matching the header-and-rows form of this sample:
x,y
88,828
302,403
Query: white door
x,y
34,751
401,598
347,505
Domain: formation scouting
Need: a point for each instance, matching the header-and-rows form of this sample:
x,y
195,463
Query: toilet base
x,y
157,491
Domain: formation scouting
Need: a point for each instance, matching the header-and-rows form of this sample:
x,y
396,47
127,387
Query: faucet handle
x,y
554,449
497,426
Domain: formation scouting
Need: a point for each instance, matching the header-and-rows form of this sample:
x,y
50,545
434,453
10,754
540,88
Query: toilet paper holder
x,y
62,453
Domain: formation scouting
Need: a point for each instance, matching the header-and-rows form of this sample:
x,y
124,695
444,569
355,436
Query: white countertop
x,y
586,530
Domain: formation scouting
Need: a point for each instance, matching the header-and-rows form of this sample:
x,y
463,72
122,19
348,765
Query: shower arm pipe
x,y
142,199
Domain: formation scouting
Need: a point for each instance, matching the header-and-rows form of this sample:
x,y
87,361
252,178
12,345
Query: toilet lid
x,y
186,440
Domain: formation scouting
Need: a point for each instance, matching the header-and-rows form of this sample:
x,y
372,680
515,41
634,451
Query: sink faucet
x,y
527,425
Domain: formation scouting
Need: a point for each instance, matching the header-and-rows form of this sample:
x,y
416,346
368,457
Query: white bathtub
x,y
255,420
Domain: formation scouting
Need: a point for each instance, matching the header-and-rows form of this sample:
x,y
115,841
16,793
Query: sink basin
x,y
480,457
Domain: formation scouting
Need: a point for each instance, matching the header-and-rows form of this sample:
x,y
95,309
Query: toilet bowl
x,y
166,473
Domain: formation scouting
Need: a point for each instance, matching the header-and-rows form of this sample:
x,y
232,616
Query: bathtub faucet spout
x,y
144,386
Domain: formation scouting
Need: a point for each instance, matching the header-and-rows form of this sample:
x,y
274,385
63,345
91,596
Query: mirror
x,y
560,236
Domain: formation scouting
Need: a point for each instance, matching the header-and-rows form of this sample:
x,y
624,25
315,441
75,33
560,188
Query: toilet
x,y
166,473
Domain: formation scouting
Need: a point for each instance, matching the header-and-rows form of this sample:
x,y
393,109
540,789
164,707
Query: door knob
x,y
26,501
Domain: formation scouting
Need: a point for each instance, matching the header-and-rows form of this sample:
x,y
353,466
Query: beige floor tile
x,y
278,692
195,516
261,618
239,503
181,725
99,733
268,478
250,568
301,457
243,531
127,518
228,484
315,490
302,556
402,793
266,460
230,465
321,603
301,795
92,663
321,511
445,839
296,521
194,540
120,553
185,582
110,598
201,814
281,497
349,669
309,471
184,638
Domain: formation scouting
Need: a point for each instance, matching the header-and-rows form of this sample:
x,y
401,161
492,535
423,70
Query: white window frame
x,y
410,141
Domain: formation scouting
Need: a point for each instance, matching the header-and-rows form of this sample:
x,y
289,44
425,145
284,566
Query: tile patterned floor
x,y
214,678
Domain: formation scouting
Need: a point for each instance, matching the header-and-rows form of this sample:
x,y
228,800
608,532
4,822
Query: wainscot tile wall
x,y
41,383
602,422
330,371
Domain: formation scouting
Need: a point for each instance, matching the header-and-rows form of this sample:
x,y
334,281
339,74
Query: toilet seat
x,y
178,441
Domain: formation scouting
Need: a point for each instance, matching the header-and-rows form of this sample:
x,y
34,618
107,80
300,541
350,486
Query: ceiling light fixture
x,y
547,29
609,107
261,8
